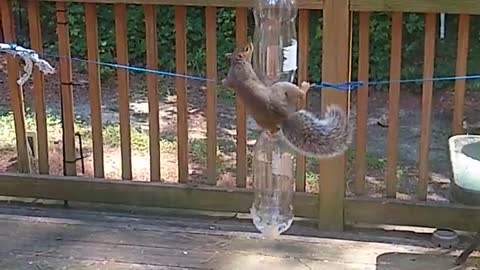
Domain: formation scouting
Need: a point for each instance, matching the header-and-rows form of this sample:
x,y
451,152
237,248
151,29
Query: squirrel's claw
x,y
305,86
224,83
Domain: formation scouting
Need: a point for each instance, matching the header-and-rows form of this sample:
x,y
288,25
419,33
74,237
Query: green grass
x,y
374,162
311,177
111,132
111,138
140,142
225,147
226,96
7,128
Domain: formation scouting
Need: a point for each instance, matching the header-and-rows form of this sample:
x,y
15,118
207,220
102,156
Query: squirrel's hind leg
x,y
293,94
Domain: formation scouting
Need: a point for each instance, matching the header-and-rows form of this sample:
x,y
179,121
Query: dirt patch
x,y
409,132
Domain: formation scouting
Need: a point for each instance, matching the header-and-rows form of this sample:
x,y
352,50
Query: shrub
x,y
413,37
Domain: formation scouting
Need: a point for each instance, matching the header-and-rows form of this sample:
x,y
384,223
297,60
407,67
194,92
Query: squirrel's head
x,y
241,54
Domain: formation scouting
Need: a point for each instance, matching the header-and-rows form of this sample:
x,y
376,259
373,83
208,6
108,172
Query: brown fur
x,y
275,109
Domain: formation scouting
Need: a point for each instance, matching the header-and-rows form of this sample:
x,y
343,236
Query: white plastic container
x,y
273,176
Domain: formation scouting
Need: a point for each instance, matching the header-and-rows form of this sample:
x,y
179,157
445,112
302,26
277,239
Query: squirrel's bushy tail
x,y
314,136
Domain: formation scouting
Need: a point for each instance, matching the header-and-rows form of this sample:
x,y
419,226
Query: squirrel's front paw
x,y
305,86
224,82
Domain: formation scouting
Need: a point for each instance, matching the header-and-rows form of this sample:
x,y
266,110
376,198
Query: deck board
x,y
50,238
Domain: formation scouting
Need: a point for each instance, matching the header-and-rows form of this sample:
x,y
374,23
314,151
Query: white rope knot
x,y
30,57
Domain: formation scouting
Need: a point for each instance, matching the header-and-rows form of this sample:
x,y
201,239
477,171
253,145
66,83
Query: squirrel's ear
x,y
228,55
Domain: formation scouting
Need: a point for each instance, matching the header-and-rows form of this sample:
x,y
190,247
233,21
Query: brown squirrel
x,y
275,109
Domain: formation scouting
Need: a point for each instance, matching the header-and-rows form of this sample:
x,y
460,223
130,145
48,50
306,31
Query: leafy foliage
x,y
380,38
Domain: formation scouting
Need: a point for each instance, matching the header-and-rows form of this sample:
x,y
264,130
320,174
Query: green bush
x,y
413,37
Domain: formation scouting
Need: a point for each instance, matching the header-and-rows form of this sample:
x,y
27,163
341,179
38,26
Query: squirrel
x,y
275,108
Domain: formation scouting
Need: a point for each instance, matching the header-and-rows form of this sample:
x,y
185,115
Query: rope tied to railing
x,y
30,57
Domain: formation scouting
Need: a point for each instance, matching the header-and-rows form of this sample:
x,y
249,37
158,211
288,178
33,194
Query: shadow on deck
x,y
39,237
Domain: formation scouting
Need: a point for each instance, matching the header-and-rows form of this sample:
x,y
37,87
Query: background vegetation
x,y
413,38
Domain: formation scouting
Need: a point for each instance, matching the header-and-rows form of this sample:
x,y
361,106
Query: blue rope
x,y
354,85
339,86
347,86
133,68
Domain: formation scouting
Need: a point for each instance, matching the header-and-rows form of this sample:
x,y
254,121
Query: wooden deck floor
x,y
43,238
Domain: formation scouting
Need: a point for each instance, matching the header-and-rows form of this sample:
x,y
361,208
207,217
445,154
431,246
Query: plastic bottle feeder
x,y
274,60
465,160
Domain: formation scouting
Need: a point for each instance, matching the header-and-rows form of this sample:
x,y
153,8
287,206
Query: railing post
x,y
15,90
335,69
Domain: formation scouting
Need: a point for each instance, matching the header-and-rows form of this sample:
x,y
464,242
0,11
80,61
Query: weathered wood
x,y
121,43
152,92
180,83
1,26
412,261
336,55
362,103
172,221
152,194
117,240
461,70
425,125
38,87
211,43
419,6
303,41
474,245
25,261
407,213
16,91
241,113
394,104
94,89
306,4
66,89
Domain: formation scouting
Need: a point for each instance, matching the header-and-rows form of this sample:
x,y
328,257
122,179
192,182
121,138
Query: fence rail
x,y
331,207
421,6
303,4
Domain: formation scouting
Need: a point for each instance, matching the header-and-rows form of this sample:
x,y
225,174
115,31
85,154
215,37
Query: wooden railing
x,y
331,207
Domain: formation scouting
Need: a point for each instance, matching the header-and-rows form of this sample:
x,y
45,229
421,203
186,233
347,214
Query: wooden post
x,y
152,92
335,65
303,41
41,152
362,103
121,41
181,85
211,44
94,89
241,113
66,88
394,104
16,91
461,70
427,97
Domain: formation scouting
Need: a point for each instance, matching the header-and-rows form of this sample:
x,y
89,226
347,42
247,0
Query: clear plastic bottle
x,y
275,40
273,182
